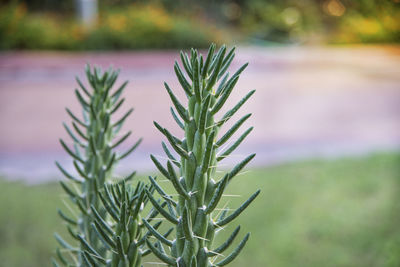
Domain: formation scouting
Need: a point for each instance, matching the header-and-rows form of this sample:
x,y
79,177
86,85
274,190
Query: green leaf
x,y
169,155
182,80
64,244
129,177
75,118
157,234
71,134
90,77
157,206
109,164
109,208
187,225
231,131
225,94
68,190
217,195
61,257
80,171
208,61
91,250
118,92
112,79
163,131
105,239
81,100
161,191
196,78
207,153
231,112
224,245
148,233
92,146
218,63
227,62
162,256
170,230
235,253
237,212
229,150
160,167
240,166
81,134
129,151
69,151
177,120
221,85
181,110
66,218
186,65
182,152
72,233
239,71
82,87
223,214
100,221
203,114
79,203
66,174
121,121
236,75
88,259
117,106
116,196
139,203
175,181
122,220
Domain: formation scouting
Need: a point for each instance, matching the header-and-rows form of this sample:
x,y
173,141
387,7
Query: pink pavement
x,y
310,101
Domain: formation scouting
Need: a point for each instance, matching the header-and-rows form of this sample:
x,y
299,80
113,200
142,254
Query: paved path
x,y
309,102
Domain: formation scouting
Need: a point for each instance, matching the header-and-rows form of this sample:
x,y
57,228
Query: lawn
x,y
342,212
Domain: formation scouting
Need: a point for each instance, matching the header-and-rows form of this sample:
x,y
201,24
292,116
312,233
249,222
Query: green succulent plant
x,y
107,226
207,86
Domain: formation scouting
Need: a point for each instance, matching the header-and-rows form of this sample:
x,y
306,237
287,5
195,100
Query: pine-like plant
x,y
207,86
107,225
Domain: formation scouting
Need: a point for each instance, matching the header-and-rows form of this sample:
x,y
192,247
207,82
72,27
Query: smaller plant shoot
x,y
105,222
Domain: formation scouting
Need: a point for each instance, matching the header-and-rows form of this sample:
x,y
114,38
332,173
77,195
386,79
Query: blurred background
x,y
326,116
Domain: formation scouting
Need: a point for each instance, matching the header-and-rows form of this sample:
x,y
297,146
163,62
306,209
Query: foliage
x,y
178,24
133,27
207,86
335,21
319,213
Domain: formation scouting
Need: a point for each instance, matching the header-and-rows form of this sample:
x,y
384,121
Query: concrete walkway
x,y
309,102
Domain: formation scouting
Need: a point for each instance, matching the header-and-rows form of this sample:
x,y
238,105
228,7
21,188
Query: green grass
x,y
343,212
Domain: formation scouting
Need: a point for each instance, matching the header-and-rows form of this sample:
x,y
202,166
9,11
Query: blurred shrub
x,y
369,23
184,23
334,21
279,21
136,26
150,26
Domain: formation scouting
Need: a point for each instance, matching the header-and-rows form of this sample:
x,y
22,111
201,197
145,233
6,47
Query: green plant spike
x,y
107,211
199,190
